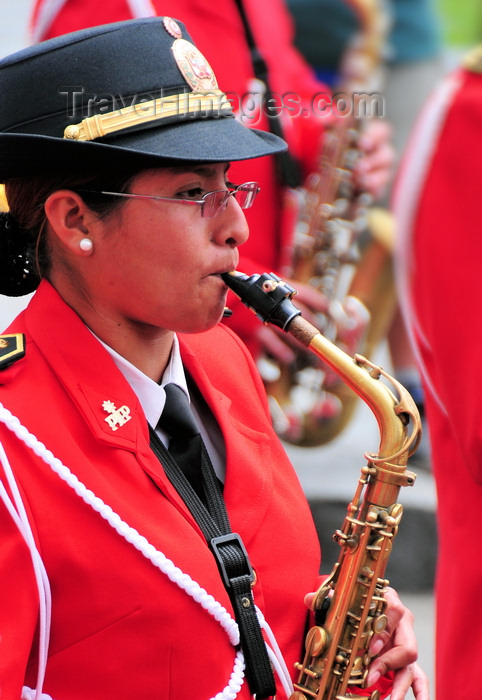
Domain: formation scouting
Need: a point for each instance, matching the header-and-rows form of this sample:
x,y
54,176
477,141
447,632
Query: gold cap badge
x,y
205,97
172,27
194,66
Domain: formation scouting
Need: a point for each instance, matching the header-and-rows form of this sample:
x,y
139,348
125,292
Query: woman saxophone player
x,y
269,25
129,569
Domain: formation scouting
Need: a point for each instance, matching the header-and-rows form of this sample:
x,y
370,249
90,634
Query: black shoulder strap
x,y
232,560
288,169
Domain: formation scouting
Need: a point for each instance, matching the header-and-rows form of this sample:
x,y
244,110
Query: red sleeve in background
x,y
77,14
447,253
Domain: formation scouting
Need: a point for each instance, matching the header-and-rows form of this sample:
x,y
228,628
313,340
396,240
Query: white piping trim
x,y
422,145
17,511
31,694
45,17
49,9
141,8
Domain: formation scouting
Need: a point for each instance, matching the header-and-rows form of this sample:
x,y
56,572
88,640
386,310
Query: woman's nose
x,y
233,228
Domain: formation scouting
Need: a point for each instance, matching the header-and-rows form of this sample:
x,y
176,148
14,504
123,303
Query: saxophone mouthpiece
x,y
227,313
267,295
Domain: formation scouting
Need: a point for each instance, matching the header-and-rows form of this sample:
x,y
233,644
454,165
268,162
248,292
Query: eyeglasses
x,y
211,203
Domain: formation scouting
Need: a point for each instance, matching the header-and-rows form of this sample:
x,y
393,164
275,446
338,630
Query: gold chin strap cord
x,y
3,199
183,104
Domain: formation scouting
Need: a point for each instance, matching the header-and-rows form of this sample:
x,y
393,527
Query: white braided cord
x,y
157,558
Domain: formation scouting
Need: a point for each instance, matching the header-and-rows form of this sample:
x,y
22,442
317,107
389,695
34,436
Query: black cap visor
x,y
208,140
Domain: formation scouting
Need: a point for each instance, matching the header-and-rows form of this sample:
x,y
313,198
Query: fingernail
x,y
373,678
365,143
376,647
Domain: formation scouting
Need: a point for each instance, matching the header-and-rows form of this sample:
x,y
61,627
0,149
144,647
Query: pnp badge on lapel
x,y
117,416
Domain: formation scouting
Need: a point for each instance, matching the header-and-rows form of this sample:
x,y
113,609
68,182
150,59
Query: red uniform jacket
x,y
440,257
120,627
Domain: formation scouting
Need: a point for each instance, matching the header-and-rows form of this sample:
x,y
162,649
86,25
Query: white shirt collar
x,y
150,394
153,397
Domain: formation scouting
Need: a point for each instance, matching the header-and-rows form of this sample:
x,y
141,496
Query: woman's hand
x,y
375,168
281,345
396,650
348,320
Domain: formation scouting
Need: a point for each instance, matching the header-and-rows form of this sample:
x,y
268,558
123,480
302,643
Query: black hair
x,y
24,255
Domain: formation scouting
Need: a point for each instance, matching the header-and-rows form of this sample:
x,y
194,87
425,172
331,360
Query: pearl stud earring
x,y
86,245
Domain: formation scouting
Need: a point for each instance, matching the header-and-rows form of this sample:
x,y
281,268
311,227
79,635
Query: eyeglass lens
x,y
218,201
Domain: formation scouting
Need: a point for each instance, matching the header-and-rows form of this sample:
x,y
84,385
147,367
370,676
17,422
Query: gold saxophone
x,y
349,606
342,247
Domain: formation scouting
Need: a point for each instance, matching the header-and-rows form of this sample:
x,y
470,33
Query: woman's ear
x,y
70,220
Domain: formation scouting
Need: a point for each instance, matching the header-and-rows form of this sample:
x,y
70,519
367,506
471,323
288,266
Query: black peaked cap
x,y
56,84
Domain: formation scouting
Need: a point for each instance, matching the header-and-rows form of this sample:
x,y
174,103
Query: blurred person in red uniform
x,y
301,102
437,201
411,62
122,224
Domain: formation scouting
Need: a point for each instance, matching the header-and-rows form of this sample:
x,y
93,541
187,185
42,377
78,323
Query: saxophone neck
x,y
395,413
271,300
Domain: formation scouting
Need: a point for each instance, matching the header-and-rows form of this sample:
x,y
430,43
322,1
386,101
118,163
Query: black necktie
x,y
189,453
185,441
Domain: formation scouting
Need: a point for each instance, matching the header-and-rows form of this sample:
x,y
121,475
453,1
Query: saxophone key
x,y
379,623
302,693
316,641
381,545
350,541
358,666
382,583
309,672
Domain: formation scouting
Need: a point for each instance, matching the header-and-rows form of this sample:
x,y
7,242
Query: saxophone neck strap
x,y
232,560
288,168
